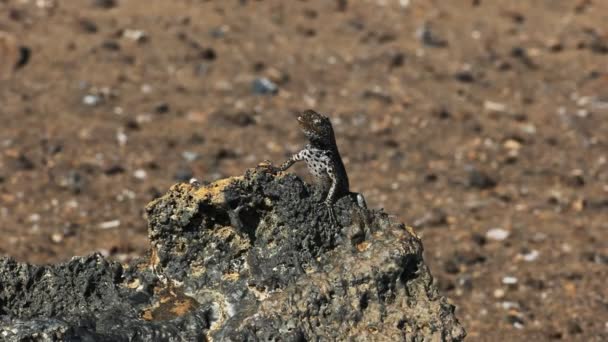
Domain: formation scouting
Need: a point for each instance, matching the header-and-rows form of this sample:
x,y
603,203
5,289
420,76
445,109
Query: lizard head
x,y
315,126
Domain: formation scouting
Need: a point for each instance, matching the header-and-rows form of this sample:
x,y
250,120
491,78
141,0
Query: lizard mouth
x,y
303,123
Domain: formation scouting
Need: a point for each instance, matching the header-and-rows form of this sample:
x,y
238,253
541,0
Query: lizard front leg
x,y
286,165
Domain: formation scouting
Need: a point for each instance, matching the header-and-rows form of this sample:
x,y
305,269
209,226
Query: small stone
x,y
109,224
499,293
264,86
114,170
512,144
34,217
574,328
110,45
74,181
508,280
57,237
429,38
397,60
106,4
140,174
190,156
122,138
208,54
464,76
530,256
492,106
480,180
91,100
87,25
146,88
479,239
497,234
24,163
162,108
138,36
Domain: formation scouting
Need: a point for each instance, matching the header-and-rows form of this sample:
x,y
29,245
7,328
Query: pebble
x,y
73,181
497,234
57,237
397,60
426,35
114,170
109,224
512,144
162,108
264,86
530,256
140,174
509,280
106,4
499,293
34,217
492,106
138,36
121,137
24,163
91,100
464,76
190,156
509,305
88,25
208,54
480,180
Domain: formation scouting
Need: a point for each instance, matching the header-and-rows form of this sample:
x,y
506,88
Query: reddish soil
x,y
458,117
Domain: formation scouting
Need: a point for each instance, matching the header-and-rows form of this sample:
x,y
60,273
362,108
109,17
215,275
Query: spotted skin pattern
x,y
322,158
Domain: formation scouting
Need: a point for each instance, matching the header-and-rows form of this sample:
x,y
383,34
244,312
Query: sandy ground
x,y
482,123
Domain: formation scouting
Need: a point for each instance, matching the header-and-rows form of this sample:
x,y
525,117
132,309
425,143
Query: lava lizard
x,y
322,159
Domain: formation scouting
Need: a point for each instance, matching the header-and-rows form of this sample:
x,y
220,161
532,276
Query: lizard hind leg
x,y
332,214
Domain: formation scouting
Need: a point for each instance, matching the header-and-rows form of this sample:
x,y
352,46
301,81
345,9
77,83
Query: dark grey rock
x,y
243,259
480,180
264,86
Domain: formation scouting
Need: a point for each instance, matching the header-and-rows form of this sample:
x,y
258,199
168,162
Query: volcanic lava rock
x,y
248,258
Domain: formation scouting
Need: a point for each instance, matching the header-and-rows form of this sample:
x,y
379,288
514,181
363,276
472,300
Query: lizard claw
x,y
267,166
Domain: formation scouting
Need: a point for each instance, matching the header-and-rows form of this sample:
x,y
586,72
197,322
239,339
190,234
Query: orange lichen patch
x,y
182,307
412,231
232,276
363,246
214,191
225,232
134,284
154,259
172,303
147,315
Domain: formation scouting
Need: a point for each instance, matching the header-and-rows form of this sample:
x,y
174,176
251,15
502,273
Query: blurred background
x,y
481,123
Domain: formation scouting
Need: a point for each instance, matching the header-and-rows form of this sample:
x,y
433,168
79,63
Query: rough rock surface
x,y
242,259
